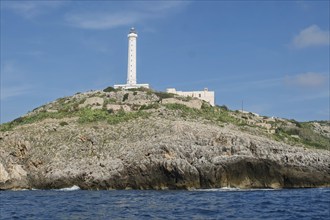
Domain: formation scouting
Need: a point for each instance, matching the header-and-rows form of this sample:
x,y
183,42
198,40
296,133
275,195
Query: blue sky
x,y
273,55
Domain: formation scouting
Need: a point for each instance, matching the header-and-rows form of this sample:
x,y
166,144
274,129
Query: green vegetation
x,y
125,97
109,89
63,123
185,98
89,115
164,95
298,124
32,119
150,106
141,89
288,131
108,101
302,134
223,107
207,112
85,116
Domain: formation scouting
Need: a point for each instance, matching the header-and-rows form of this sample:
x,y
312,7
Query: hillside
x,y
143,139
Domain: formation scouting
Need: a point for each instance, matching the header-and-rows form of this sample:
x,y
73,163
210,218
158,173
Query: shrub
x,y
206,106
224,108
298,124
63,123
89,115
6,126
141,89
34,118
206,112
177,106
125,97
184,98
164,95
109,89
108,101
307,137
150,106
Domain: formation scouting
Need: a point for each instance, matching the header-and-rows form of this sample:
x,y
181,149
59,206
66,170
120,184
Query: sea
x,y
224,203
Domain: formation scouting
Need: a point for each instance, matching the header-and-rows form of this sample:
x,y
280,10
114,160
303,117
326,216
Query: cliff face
x,y
149,146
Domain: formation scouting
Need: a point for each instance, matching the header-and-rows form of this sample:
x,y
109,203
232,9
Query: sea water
x,y
72,203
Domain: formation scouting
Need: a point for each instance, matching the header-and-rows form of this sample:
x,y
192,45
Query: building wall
x,y
205,95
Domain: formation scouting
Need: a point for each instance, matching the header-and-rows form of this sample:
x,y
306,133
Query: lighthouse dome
x,y
132,30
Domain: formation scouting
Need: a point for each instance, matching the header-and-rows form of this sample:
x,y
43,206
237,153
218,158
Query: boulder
x,y
94,102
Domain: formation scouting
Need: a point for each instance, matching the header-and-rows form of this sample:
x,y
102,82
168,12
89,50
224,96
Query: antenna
x,y
242,105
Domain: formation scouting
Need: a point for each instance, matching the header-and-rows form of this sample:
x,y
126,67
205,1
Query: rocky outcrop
x,y
153,153
193,103
93,102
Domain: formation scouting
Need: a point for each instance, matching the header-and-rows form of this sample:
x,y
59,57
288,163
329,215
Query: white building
x,y
131,64
205,95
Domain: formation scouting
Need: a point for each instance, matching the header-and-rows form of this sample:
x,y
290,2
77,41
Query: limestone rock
x,y
117,107
94,102
4,175
193,103
162,150
157,154
133,97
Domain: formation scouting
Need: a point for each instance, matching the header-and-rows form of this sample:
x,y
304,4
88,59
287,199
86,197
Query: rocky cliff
x,y
149,140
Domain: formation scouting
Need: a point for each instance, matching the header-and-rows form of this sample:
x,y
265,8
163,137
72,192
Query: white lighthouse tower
x,y
131,67
131,64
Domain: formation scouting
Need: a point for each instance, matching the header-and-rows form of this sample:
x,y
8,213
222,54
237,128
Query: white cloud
x,y
14,91
310,79
10,72
13,82
31,9
131,15
160,6
311,36
103,20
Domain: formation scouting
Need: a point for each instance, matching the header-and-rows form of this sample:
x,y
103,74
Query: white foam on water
x,y
219,189
226,189
72,188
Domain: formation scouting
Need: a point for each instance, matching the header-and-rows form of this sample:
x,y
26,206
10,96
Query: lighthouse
x,y
131,64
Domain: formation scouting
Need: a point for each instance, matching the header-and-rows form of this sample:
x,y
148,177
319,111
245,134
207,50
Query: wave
x,y
72,188
226,189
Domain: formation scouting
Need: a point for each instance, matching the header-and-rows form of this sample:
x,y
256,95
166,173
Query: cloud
x,y
103,20
312,96
14,91
31,9
13,82
307,80
131,15
311,36
160,6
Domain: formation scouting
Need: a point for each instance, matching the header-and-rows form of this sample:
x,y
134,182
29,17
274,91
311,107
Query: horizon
x,y
273,56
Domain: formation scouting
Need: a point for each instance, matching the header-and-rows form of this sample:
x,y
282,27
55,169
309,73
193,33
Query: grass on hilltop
x,y
85,115
290,131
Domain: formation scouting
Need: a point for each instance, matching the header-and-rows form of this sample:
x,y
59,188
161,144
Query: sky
x,y
271,57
